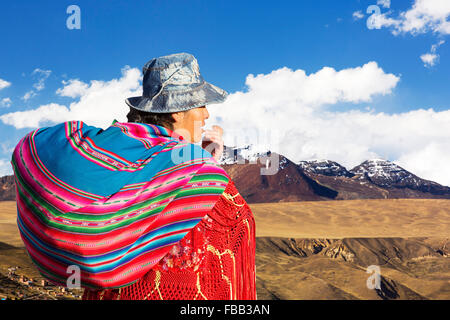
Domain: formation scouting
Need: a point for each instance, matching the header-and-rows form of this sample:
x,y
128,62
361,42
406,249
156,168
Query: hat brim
x,y
173,101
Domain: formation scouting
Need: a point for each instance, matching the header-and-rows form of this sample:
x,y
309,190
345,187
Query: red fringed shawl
x,y
214,261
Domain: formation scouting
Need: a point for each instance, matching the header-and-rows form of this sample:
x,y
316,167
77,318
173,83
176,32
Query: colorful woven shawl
x,y
112,202
214,261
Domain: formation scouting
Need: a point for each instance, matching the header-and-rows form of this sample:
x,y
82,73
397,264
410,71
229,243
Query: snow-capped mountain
x,y
284,181
325,167
387,174
374,178
252,154
382,172
308,180
244,154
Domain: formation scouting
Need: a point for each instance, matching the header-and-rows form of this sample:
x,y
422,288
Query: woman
x,y
139,208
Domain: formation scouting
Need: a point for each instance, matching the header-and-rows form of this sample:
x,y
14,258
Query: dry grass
x,y
403,218
402,236
9,233
407,238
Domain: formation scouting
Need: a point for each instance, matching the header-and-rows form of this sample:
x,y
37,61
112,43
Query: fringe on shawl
x,y
228,234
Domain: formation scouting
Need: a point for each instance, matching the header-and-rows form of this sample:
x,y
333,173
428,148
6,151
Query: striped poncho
x,y
112,202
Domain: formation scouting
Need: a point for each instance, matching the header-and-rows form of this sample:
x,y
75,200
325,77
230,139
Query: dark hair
x,y
161,119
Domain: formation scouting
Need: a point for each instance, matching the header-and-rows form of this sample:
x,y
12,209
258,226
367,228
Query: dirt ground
x,y
327,249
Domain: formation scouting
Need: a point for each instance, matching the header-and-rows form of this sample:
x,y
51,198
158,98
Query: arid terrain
x,y
318,249
321,249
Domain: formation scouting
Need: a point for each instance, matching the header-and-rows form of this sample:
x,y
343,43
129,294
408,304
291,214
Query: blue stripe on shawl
x,y
77,171
152,245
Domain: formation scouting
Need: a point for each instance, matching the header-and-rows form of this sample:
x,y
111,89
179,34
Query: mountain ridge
x,y
371,179
307,180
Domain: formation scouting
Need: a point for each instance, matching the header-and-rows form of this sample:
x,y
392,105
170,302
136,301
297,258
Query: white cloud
x,y
327,86
430,162
34,118
30,94
296,110
378,21
357,15
42,75
7,147
5,168
4,84
422,17
73,88
297,106
437,45
5,102
98,104
384,3
430,59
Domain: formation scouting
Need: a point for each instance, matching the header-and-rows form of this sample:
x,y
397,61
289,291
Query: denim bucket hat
x,y
173,83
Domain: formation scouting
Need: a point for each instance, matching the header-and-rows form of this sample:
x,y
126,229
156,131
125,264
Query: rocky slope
x,y
291,268
287,184
7,188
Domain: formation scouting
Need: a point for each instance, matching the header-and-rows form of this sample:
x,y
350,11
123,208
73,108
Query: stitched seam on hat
x,y
183,63
184,91
189,106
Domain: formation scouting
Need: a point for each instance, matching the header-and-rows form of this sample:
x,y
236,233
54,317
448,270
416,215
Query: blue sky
x,y
231,40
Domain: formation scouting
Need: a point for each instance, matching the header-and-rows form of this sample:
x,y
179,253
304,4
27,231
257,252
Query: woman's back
x,y
214,261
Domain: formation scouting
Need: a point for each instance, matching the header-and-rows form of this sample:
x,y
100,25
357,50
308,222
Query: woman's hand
x,y
213,140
